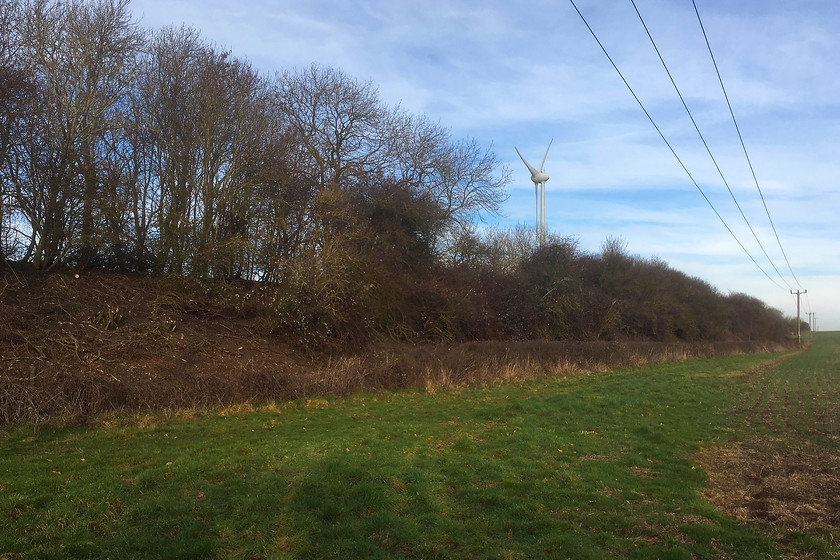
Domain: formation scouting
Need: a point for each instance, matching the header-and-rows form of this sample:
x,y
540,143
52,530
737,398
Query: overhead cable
x,y
667,143
741,138
705,144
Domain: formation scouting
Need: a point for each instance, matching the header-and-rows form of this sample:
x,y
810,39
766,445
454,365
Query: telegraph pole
x,y
798,316
811,321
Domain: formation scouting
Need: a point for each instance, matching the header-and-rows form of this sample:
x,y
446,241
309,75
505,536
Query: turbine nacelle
x,y
539,177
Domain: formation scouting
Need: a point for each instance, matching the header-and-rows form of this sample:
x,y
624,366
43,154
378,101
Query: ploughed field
x,y
730,457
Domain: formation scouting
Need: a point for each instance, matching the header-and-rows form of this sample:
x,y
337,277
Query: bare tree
x,y
468,181
339,122
508,249
464,179
11,75
340,127
174,151
13,89
169,113
129,193
78,57
232,129
349,136
208,119
282,192
418,145
42,170
103,43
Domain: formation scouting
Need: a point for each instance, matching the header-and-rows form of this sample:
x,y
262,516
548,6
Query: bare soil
x,y
790,488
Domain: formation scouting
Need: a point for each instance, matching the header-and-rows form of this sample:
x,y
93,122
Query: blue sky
x,y
521,73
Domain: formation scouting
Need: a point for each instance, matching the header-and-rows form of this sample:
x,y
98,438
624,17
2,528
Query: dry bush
x,y
67,352
227,374
447,366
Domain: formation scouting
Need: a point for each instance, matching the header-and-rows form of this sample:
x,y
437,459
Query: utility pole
x,y
811,321
798,315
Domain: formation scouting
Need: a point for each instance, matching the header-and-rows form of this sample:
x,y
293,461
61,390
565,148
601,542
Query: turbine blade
x,y
546,154
528,165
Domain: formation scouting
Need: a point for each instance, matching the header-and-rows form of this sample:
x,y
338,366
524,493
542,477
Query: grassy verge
x,y
590,467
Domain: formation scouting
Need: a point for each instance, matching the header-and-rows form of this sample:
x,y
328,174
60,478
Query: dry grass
x,y
797,489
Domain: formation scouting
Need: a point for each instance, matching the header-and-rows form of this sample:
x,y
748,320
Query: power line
x,y
743,145
705,144
650,118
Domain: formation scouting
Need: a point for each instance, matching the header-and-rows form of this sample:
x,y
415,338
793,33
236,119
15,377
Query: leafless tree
x,y
166,149
339,122
349,135
13,90
169,114
464,179
42,168
282,204
468,181
232,133
78,57
103,42
207,115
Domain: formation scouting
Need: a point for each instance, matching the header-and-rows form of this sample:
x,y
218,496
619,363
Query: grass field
x,y
625,465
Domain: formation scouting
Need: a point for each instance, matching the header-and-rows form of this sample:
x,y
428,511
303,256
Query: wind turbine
x,y
539,178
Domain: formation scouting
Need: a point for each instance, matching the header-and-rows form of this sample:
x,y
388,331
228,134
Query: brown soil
x,y
791,488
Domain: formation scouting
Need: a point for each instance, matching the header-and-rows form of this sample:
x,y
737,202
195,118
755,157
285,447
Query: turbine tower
x,y
539,178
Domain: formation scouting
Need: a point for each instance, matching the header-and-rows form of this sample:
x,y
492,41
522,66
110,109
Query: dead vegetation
x,y
793,489
76,344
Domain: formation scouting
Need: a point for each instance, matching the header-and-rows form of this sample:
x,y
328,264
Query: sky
x,y
519,74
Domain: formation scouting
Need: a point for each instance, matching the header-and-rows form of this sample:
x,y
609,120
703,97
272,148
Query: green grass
x,y
592,467
799,398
